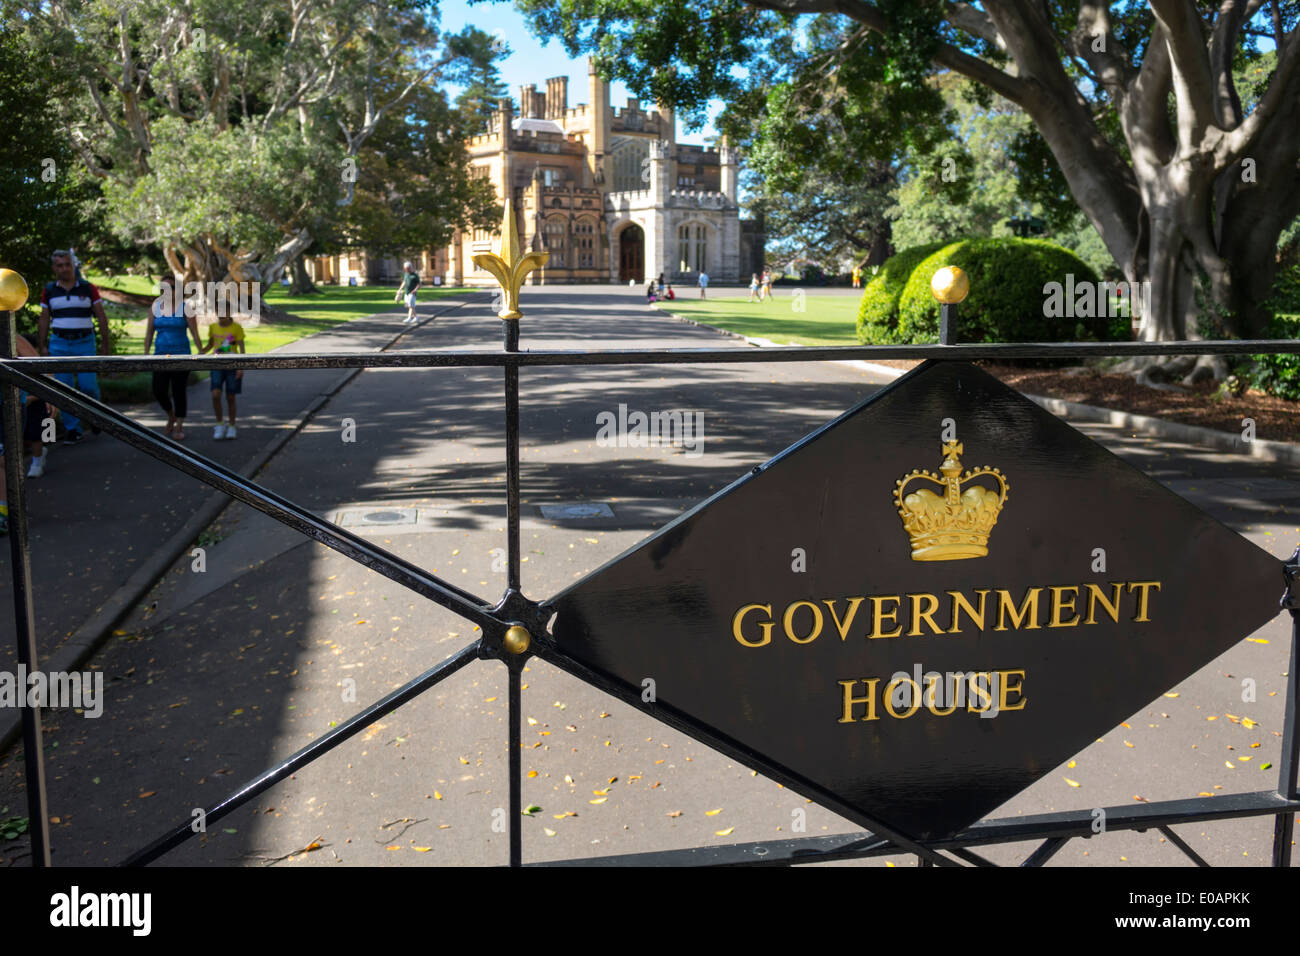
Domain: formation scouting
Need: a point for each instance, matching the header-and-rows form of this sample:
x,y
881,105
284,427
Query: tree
x,y
229,131
1200,181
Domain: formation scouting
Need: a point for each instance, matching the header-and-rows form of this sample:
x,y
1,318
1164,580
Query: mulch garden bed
x,y
1276,419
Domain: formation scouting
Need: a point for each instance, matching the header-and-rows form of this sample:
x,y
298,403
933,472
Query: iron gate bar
x,y
470,358
546,649
1179,842
291,764
1045,851
256,496
38,817
514,606
855,846
1289,764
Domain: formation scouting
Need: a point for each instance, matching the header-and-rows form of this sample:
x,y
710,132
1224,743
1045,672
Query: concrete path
x,y
278,640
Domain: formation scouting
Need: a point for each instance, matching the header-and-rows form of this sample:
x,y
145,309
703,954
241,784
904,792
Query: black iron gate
x,y
515,627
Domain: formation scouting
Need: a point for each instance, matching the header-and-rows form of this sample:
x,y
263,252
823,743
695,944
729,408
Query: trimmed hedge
x,y
878,313
1007,298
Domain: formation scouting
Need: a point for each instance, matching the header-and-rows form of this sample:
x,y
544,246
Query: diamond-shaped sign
x,y
925,605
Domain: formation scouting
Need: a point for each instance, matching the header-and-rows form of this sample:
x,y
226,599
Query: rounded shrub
x,y
1010,297
878,311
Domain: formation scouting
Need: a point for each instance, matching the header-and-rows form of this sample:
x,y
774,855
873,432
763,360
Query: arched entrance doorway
x,y
631,254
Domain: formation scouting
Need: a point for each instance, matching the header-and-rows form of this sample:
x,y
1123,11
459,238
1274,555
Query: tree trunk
x,y
302,284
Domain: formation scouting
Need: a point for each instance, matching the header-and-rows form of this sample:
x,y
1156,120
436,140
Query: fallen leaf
x,y
655,784
598,800
712,813
437,795
1265,766
529,810
568,779
147,793
532,773
464,760
1127,744
1171,695
392,848
1073,783
532,721
675,813
421,849
726,832
1257,640
601,793
613,779
1070,765
1247,723
566,813
444,826
1230,765
548,831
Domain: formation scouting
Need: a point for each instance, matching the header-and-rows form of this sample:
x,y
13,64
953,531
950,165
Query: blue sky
x,y
532,62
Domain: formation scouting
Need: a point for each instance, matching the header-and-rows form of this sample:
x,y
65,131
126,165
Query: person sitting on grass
x,y
225,336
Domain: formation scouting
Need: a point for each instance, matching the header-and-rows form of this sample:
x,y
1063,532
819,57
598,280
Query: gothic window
x,y
692,247
554,237
584,241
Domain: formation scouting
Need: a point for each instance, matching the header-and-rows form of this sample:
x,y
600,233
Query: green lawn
x,y
311,314
826,319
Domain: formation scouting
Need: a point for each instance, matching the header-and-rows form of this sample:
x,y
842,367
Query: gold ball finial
x,y
950,285
517,639
13,290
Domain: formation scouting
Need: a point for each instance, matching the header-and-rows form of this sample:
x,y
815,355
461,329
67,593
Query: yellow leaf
x,y
1070,765
488,700
1244,759
548,831
532,721
637,776
598,800
1253,746
1204,793
437,795
726,832
1127,744
1247,723
568,779
601,793
1171,695
1122,724
421,849
532,773
444,826
392,848
1212,717
1257,640
566,813
1229,765
464,760
1073,783
613,779
314,845
712,813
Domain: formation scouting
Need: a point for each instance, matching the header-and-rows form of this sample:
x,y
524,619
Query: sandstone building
x,y
610,193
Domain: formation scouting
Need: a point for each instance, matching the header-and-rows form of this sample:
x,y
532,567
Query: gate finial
x,y
508,266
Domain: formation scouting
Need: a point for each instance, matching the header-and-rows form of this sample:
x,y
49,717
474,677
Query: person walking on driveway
x,y
410,282
169,322
225,336
704,283
70,307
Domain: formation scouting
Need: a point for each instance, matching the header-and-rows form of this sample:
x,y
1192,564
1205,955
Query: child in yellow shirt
x,y
225,336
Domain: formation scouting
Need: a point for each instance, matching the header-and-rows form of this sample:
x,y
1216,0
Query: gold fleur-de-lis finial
x,y
509,266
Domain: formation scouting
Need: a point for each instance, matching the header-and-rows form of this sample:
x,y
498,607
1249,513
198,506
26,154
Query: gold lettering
x,y
1095,595
879,616
930,684
850,701
1143,597
764,626
980,683
843,628
918,615
788,621
959,603
914,697
1004,688
1028,610
1059,605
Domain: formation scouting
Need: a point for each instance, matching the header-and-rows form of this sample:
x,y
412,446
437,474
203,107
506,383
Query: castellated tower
x,y
608,192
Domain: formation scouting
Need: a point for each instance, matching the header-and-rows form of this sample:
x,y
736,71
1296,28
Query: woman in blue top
x,y
167,318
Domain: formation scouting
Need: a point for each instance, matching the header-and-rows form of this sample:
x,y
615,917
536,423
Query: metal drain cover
x,y
376,517
584,510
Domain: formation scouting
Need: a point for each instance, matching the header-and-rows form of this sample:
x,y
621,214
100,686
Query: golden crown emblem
x,y
955,524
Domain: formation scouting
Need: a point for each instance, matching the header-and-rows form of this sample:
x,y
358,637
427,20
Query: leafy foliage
x,y
1006,301
878,312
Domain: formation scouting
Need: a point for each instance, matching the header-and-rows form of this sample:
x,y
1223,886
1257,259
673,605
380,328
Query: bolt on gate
x,y
515,628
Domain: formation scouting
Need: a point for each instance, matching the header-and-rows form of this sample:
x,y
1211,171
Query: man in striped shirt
x,y
70,306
